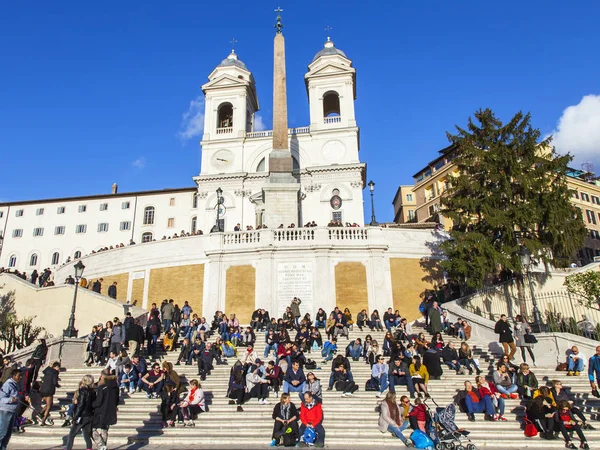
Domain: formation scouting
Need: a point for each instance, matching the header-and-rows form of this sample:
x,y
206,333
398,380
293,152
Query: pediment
x,y
331,69
225,81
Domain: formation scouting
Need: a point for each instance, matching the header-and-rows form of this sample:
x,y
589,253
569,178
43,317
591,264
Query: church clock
x,y
222,159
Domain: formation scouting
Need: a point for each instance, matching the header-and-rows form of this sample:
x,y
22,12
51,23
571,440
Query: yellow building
x,y
431,182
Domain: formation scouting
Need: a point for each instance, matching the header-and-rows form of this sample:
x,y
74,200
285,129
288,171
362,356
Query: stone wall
x,y
408,283
180,283
240,292
351,287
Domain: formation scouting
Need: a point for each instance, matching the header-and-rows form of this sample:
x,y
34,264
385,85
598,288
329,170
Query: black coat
x,y
135,333
85,401
106,403
431,360
40,352
449,355
112,291
504,331
49,383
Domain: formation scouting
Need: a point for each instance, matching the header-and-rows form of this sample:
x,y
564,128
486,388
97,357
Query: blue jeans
x,y
355,353
328,354
578,366
152,345
484,405
396,380
318,429
287,387
398,430
167,324
320,323
383,382
507,391
7,421
184,331
453,366
269,347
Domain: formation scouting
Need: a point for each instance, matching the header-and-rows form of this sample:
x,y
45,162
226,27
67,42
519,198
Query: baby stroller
x,y
444,432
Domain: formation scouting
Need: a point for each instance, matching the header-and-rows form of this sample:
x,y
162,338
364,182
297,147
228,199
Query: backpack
x,y
154,329
288,440
421,440
372,384
310,435
310,364
422,307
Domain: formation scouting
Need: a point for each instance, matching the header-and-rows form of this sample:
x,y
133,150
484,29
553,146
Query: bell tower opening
x,y
331,104
225,115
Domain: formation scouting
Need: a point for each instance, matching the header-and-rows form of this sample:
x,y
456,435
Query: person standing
x,y
83,413
295,307
135,338
112,290
48,389
594,371
435,318
105,408
97,286
522,329
39,356
505,336
168,309
8,407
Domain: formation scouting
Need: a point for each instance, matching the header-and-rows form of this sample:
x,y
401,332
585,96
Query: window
x,y
336,215
575,195
38,232
591,217
103,206
12,261
595,201
225,112
39,212
194,225
149,215
59,230
1,214
125,205
439,164
172,201
102,227
60,210
170,222
331,104
595,234
409,197
77,254
411,214
18,232
335,192
585,197
124,226
147,237
194,201
19,213
55,258
33,260
80,229
82,208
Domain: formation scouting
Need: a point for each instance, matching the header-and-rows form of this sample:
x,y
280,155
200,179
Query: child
x,y
168,405
128,379
419,412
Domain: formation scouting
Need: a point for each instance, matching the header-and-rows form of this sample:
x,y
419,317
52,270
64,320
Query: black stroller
x,y
445,433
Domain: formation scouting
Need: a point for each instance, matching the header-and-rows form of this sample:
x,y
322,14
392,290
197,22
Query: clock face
x,y
222,159
333,151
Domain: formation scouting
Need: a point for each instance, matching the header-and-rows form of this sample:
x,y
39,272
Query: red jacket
x,y
489,392
313,416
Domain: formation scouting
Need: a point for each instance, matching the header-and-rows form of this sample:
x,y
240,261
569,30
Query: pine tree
x,y
511,191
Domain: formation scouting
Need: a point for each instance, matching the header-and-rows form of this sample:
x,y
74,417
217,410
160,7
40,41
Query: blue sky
x,y
93,93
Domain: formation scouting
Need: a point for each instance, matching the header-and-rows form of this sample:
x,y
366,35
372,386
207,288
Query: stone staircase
x,y
345,418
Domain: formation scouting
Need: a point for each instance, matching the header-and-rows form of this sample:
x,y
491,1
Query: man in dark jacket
x,y
435,318
97,286
105,408
450,357
112,290
118,338
431,360
505,336
152,334
135,338
205,361
400,375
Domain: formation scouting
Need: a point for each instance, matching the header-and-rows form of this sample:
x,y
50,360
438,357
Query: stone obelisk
x,y
281,194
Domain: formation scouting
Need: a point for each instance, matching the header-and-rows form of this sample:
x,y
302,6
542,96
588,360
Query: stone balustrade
x,y
269,133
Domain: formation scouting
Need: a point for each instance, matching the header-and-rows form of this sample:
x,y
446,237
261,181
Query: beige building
x,y
432,181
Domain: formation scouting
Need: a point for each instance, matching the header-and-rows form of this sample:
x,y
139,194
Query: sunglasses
x,y
406,401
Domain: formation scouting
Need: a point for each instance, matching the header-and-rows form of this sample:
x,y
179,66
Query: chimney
x,y
115,188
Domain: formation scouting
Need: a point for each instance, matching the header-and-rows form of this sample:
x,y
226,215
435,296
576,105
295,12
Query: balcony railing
x,y
328,120
268,133
225,130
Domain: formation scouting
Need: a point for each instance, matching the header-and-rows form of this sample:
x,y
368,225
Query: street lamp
x,y
219,203
71,332
372,188
526,261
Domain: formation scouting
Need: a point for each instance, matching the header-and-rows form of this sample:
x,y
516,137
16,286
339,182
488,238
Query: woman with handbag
x,y
524,338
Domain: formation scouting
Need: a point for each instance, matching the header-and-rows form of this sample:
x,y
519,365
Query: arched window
x,y
331,104
55,258
33,260
147,237
261,165
12,261
77,255
194,225
225,115
149,215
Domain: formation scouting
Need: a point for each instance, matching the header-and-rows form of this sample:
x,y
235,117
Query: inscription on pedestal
x,y
295,279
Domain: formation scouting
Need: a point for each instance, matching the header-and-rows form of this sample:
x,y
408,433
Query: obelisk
x,y
281,194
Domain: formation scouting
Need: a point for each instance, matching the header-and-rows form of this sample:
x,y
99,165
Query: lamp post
x,y
219,203
525,255
372,188
71,332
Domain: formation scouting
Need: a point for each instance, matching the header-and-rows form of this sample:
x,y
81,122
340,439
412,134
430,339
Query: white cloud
x,y
259,125
192,121
578,131
139,163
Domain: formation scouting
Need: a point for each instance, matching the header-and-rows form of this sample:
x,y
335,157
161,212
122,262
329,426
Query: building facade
x,y
431,182
235,159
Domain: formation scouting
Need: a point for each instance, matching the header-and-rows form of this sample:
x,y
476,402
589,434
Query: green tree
x,y
15,333
511,191
586,288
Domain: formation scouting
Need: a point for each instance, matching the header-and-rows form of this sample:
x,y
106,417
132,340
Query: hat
x,y
258,361
99,325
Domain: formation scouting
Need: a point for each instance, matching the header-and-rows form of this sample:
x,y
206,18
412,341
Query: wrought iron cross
x,y
279,25
328,29
233,41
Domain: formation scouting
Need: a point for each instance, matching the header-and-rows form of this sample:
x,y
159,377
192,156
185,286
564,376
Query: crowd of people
x,y
126,352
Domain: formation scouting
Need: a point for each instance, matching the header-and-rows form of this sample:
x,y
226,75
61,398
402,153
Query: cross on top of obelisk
x,y
279,25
